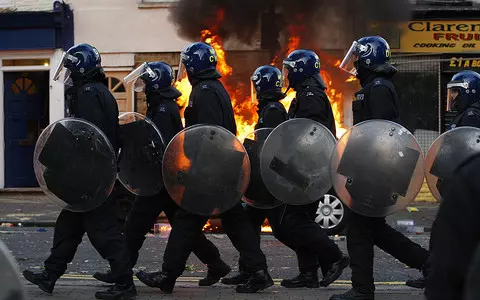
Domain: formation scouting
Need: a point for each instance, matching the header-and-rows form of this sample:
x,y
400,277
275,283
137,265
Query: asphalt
x,y
35,210
27,221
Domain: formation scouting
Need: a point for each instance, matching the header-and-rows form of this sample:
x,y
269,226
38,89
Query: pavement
x,y
35,210
30,247
185,289
30,244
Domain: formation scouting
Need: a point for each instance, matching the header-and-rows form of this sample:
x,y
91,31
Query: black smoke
x,y
243,18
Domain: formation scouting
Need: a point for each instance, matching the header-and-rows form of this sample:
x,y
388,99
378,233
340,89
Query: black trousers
x,y
188,228
295,228
365,232
104,234
142,217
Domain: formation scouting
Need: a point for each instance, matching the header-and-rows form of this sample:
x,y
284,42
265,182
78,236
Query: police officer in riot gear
x,y
90,100
266,89
455,235
301,71
462,98
368,59
164,112
209,103
310,241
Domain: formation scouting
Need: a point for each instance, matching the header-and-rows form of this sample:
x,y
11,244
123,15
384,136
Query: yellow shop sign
x,y
440,36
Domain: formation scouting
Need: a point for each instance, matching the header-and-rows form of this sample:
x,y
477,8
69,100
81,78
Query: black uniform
x,y
455,233
311,102
91,100
472,289
165,114
376,100
210,104
469,117
271,113
314,248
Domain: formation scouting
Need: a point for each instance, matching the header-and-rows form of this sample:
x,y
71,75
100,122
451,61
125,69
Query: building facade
x,y
32,36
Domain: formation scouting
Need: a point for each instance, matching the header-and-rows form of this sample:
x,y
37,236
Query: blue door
x,y
26,114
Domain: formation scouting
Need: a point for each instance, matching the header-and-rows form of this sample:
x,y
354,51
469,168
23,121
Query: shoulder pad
x,y
204,86
87,88
272,105
162,108
471,113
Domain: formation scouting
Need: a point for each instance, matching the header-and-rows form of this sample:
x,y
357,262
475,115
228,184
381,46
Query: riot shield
x,y
11,286
446,152
141,154
377,168
295,161
75,164
206,169
257,194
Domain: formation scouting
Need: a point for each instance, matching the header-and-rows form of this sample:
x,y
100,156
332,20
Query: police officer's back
x,y
464,99
210,104
452,231
89,99
368,59
267,91
156,79
301,71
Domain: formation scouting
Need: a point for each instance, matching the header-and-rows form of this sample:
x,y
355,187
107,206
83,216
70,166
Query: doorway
x,y
26,99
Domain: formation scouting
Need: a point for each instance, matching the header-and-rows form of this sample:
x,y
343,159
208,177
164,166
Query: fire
x,y
245,109
209,227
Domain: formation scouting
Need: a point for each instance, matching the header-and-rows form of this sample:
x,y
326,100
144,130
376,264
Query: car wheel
x,y
330,215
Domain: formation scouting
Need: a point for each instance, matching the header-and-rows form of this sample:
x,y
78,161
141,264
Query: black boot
x,y
335,271
353,294
107,277
44,280
304,279
118,292
418,283
259,280
241,278
160,280
215,272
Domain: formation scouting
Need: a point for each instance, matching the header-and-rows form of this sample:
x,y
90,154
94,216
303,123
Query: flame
x,y
351,79
245,109
209,227
216,43
267,228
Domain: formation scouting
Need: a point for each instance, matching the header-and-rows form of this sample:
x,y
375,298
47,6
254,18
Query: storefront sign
x,y
461,62
440,36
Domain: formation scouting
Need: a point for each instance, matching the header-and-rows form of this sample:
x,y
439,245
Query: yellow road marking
x,y
195,279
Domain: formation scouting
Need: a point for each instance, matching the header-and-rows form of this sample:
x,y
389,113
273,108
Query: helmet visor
x,y
453,91
348,63
284,82
142,71
182,70
253,92
61,70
